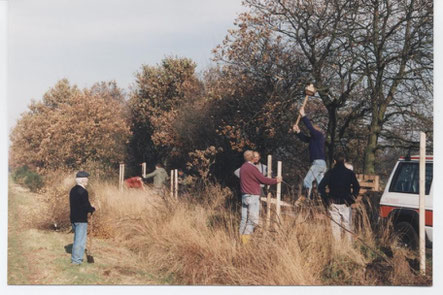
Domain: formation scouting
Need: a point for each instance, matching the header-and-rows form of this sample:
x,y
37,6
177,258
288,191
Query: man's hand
x,y
279,179
302,112
296,128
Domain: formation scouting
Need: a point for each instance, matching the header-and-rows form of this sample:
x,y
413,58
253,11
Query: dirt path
x,y
38,257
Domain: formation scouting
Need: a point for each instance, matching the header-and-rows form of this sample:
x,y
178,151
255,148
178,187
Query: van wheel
x,y
406,235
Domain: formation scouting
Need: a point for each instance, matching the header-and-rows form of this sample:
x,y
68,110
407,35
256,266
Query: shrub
x,y
20,173
29,178
34,181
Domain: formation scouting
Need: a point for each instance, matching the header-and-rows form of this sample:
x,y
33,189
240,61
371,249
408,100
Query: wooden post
x,y
176,183
422,175
268,201
303,105
144,169
121,176
278,189
172,183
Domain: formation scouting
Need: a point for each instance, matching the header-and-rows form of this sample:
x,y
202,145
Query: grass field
x,y
40,257
142,239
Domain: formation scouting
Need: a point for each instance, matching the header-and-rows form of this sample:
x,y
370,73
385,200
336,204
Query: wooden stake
x,y
278,189
144,169
268,201
422,175
121,176
172,183
176,183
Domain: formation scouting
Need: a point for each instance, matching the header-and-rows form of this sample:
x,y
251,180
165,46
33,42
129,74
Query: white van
x,y
400,200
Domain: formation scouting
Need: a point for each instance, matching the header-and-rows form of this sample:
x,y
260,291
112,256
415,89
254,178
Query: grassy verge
x,y
41,257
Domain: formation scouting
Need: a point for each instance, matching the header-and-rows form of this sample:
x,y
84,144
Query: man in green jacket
x,y
160,176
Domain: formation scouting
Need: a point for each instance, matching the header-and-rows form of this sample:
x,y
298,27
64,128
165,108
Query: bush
x,y
20,174
29,178
34,181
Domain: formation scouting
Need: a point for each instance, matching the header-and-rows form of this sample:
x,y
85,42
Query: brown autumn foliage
x,y
72,129
154,103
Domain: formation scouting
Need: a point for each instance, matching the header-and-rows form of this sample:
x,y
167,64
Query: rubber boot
x,y
245,239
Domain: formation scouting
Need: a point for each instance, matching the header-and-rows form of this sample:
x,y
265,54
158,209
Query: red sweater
x,y
250,179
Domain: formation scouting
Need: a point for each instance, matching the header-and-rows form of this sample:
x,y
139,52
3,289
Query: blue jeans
x,y
317,171
250,208
78,248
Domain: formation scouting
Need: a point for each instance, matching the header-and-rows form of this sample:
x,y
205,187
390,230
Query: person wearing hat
x,y
80,207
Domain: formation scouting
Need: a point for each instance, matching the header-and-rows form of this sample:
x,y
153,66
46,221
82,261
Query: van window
x,y
405,179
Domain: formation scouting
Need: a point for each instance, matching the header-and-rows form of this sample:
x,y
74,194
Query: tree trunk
x,y
371,148
332,127
369,164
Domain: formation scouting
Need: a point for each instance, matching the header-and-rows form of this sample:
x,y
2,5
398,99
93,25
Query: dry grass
x,y
195,240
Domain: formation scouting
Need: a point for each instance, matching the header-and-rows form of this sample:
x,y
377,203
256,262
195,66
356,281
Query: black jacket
x,y
79,204
339,180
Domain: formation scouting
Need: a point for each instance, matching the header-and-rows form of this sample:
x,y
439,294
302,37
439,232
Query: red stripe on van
x,y
385,210
418,158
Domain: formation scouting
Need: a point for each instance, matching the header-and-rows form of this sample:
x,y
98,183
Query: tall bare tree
x,y
396,40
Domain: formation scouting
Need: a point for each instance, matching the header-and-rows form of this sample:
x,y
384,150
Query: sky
x,y
88,41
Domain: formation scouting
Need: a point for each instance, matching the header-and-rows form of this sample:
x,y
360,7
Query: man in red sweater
x,y
250,180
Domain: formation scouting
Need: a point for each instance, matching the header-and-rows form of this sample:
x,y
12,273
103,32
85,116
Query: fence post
x,y
268,201
278,189
121,176
422,175
172,183
144,169
176,183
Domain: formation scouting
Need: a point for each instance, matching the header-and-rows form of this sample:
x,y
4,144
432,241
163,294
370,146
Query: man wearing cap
x,y
80,207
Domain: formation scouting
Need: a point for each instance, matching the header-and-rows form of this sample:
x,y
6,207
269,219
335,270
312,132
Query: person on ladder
x,y
316,142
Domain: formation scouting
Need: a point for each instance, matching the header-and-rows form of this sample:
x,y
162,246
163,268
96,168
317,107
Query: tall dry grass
x,y
195,240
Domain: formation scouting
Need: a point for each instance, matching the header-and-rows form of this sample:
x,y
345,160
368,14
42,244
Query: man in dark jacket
x,y
316,142
340,180
80,207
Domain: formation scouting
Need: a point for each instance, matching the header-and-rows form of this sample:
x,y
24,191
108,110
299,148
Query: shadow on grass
x,y
68,248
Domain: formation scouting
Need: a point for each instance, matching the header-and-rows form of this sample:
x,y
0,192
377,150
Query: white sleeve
x,y
237,172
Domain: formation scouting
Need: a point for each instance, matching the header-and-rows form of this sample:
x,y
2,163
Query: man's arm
x,y
300,134
314,132
152,174
322,189
262,179
323,183
355,186
303,137
85,202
